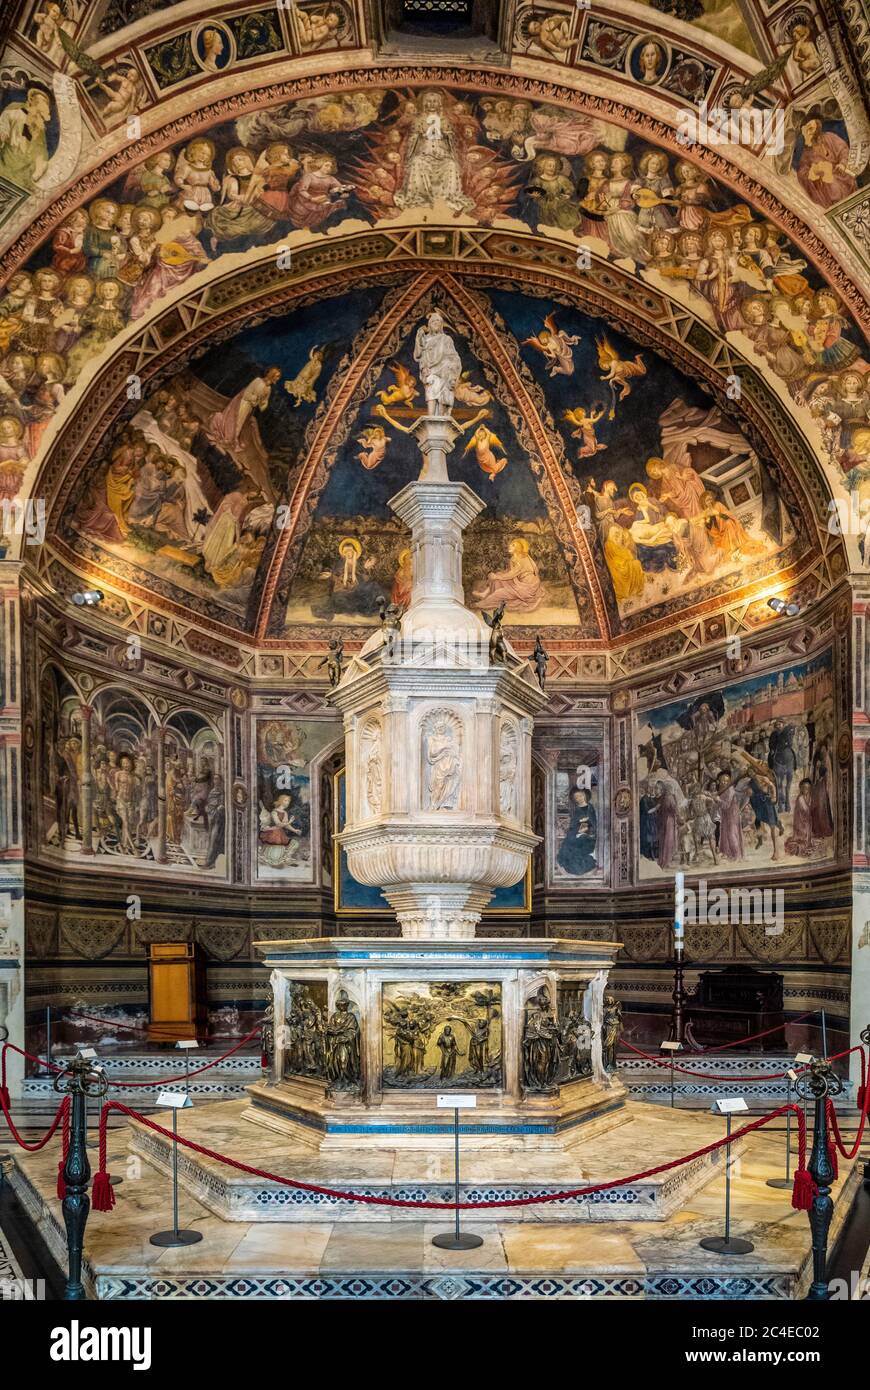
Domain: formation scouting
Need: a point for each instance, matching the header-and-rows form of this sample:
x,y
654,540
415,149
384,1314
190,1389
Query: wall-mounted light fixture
x,y
88,598
783,607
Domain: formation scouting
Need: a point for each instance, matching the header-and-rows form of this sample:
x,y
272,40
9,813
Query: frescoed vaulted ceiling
x,y
222,225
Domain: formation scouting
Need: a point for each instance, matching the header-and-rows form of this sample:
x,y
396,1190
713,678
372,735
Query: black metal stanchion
x,y
727,1244
177,1100
818,1084
787,1180
456,1239
80,1080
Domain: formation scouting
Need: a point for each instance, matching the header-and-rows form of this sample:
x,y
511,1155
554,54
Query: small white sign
x,y
671,1046
187,1042
175,1100
457,1102
730,1105
792,1074
87,1052
804,1057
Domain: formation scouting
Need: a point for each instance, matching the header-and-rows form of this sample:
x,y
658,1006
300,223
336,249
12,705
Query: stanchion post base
x,y
451,1241
169,1239
734,1245
780,1182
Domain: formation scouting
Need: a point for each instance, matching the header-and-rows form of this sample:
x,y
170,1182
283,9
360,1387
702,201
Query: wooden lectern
x,y
176,980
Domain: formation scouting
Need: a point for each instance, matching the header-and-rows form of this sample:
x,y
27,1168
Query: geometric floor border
x,y
401,1288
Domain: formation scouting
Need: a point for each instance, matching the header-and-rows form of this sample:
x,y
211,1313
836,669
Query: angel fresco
x,y
488,450
584,429
374,443
404,389
554,345
617,372
302,386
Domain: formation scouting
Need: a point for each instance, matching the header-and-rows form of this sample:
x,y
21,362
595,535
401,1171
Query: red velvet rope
x,y
103,1196
39,1143
725,1076
122,1085
130,1028
753,1037
174,1080
863,1107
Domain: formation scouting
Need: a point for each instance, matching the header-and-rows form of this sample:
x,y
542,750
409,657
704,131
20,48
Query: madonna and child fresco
x,y
384,155
675,502
741,778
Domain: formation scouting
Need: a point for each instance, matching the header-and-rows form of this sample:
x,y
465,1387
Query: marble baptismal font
x,y
438,711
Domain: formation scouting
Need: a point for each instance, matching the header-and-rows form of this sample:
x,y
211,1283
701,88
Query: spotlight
x,y
784,609
88,598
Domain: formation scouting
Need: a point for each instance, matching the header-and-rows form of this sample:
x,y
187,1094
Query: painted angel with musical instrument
x,y
555,346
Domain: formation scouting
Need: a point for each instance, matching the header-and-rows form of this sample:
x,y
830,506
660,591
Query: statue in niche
x,y
576,1046
305,1032
507,771
343,1065
440,367
372,767
442,761
267,1040
542,1044
611,1031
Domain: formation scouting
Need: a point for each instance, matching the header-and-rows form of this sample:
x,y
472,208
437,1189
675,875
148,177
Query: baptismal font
x,y
438,714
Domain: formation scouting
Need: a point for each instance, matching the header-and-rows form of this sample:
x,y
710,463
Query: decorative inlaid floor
x,y
382,1258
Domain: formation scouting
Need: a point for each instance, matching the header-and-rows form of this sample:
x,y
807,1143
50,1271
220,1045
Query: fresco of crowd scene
x,y
122,816
740,777
369,156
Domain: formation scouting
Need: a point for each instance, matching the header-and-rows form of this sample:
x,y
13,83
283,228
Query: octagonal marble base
x,y
441,983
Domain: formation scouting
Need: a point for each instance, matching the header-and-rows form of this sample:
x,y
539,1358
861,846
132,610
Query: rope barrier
x,y
103,1196
130,1028
61,1114
724,1076
174,1080
752,1037
863,1107
122,1085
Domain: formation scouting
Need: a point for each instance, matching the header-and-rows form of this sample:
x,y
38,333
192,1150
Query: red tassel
x,y
832,1159
61,1185
102,1193
804,1190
